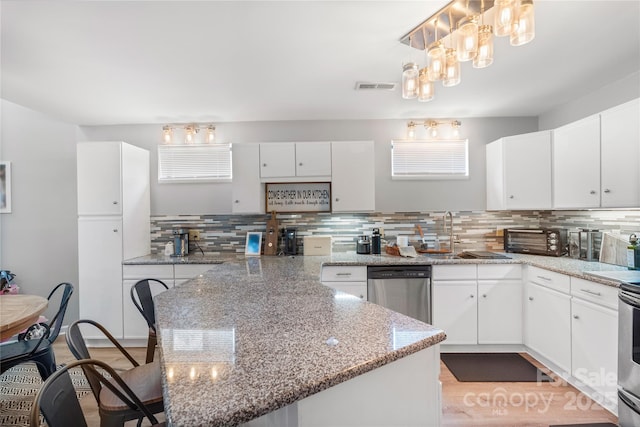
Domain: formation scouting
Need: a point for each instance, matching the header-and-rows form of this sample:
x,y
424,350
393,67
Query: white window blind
x,y
439,159
190,163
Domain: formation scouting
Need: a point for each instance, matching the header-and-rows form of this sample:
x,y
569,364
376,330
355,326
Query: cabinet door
x,y
620,141
527,171
134,324
576,164
313,159
100,273
594,346
352,176
455,310
247,192
494,155
500,312
548,324
278,160
358,289
99,178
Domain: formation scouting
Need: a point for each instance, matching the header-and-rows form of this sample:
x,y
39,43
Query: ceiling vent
x,y
375,86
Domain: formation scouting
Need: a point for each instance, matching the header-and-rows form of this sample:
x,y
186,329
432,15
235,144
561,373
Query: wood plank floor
x,y
464,404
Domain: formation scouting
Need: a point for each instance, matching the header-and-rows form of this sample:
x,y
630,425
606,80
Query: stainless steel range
x,y
629,354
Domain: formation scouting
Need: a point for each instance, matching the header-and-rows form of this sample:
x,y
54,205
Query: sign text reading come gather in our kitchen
x,y
299,197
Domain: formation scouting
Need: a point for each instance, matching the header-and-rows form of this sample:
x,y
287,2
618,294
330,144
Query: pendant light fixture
x,y
426,90
452,67
437,57
410,79
523,30
467,37
484,56
504,18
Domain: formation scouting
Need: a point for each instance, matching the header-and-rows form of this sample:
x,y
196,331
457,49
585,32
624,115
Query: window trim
x,y
432,176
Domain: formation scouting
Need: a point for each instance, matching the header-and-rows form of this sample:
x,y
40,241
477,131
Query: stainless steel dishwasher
x,y
402,288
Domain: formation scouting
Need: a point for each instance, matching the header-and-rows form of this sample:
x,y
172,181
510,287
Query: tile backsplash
x,y
473,230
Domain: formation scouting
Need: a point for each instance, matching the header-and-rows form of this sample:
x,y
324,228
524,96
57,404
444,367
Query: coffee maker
x,y
180,242
289,241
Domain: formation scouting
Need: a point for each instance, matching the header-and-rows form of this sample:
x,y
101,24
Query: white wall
x,y
39,237
391,196
600,99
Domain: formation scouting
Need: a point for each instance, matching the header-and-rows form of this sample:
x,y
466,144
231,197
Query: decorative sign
x,y
299,197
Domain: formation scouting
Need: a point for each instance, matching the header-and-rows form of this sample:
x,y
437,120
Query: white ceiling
x,y
119,62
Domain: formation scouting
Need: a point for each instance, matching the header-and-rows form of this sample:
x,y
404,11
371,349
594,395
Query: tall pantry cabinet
x,y
113,225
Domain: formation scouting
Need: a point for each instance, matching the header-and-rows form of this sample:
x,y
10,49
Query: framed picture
x,y
254,243
5,187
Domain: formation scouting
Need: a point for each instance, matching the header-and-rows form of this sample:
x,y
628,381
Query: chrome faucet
x,y
444,218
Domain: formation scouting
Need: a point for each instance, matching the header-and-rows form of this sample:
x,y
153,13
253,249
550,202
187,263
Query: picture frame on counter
x,y
5,187
253,243
298,197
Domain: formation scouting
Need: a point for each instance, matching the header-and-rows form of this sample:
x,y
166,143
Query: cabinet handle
x,y
511,196
343,274
484,295
361,296
115,202
237,201
607,191
598,294
548,279
592,192
300,164
471,296
575,316
115,230
337,200
530,298
264,165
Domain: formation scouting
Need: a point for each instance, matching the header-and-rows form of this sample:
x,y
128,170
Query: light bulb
x,y
210,136
505,15
452,70
426,90
523,30
189,134
467,38
411,130
437,61
455,129
410,80
484,57
167,134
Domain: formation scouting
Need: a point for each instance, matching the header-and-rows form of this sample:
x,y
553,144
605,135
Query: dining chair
x,y
36,344
144,380
142,297
58,402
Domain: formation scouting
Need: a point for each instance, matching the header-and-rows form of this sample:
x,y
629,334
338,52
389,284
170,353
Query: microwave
x,y
536,241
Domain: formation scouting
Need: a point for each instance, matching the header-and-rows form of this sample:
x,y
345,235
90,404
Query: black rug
x,y
492,367
586,425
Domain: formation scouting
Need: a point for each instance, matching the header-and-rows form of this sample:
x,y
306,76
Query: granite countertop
x,y
256,334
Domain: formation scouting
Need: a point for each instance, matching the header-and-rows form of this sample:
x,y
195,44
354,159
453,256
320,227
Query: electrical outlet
x,y
194,235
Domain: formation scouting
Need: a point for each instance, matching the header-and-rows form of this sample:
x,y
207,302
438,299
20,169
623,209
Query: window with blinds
x,y
194,163
434,159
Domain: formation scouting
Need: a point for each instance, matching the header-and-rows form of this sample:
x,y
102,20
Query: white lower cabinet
x,y
184,272
500,312
349,279
548,325
455,310
478,304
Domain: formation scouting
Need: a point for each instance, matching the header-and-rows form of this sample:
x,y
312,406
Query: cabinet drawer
x,y
550,279
595,292
344,274
454,272
148,271
499,271
189,271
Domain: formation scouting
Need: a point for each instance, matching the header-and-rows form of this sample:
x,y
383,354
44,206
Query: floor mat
x,y
586,425
492,367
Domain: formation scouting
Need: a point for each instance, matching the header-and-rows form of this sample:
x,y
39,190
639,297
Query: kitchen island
x,y
261,341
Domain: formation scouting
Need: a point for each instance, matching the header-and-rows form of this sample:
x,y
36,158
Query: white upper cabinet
x,y
99,178
576,164
519,172
247,192
352,176
289,161
620,156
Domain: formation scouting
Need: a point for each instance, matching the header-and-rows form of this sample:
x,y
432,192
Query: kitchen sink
x,y
441,256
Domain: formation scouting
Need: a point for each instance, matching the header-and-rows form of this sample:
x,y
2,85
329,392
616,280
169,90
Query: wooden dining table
x,y
18,312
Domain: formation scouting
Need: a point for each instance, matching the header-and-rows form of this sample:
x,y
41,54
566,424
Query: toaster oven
x,y
536,241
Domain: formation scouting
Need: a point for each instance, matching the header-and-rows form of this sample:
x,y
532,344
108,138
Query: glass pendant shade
x,y
426,90
452,70
189,135
484,57
504,18
467,38
437,61
523,30
167,134
410,80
